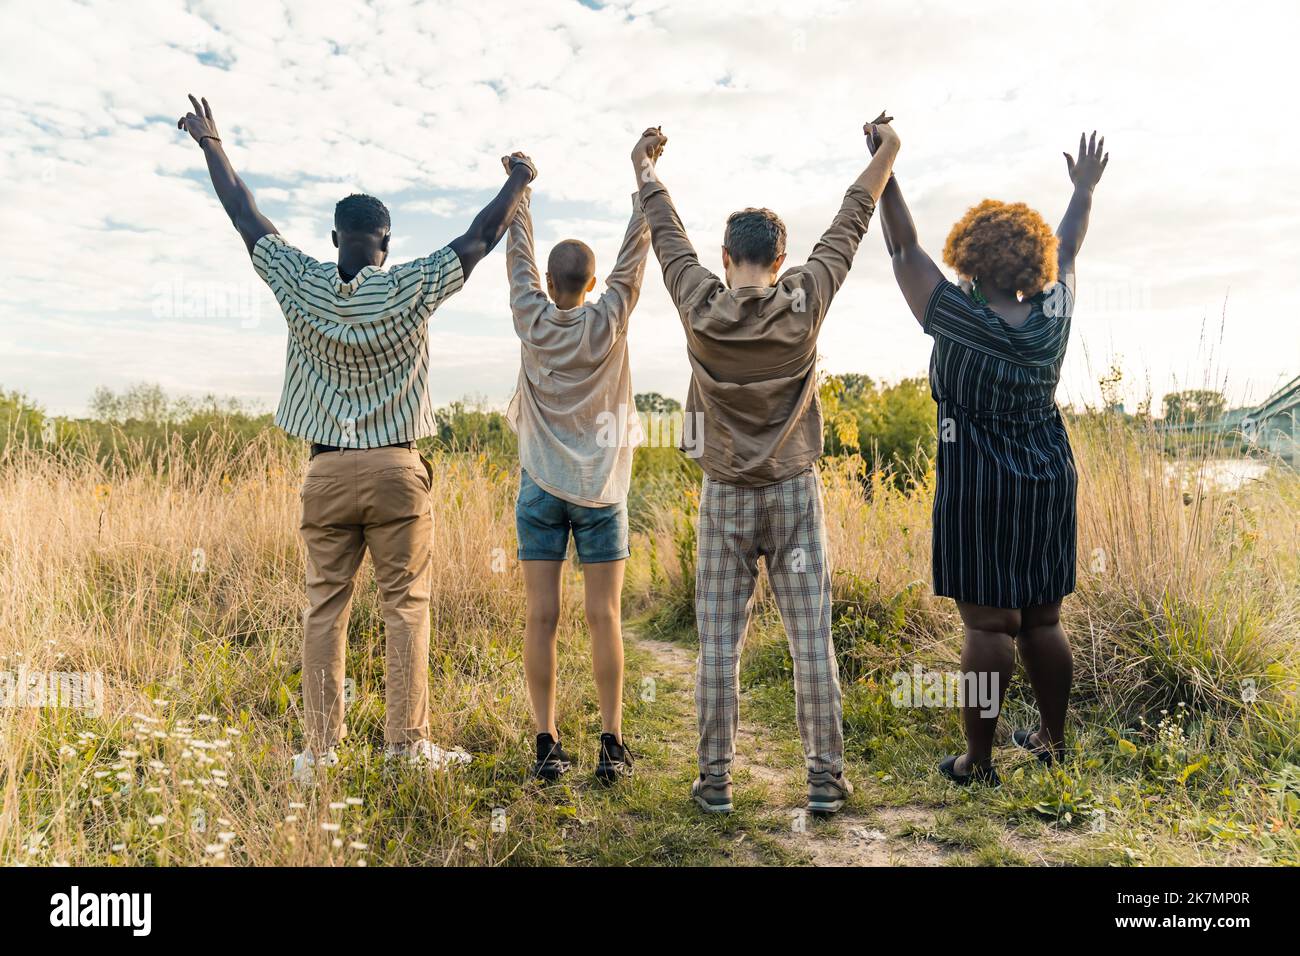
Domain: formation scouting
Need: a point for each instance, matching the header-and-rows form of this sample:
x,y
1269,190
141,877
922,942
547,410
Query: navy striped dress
x,y
1004,504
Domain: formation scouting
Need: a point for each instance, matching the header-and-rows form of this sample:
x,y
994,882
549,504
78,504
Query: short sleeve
x,y
441,276
280,265
1058,298
948,312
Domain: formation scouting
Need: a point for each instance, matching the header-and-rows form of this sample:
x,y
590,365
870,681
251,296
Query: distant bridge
x,y
1271,425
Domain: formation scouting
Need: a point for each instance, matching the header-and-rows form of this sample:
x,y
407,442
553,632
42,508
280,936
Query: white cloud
x,y
105,202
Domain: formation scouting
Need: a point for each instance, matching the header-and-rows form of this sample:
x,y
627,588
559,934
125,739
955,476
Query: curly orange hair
x,y
1007,245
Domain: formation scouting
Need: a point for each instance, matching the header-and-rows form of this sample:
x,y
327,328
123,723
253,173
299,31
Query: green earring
x,y
975,292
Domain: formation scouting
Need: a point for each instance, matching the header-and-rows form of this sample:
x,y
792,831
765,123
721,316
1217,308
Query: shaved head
x,y
571,266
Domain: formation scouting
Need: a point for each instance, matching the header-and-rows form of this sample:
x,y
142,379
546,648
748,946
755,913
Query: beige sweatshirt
x,y
753,351
573,408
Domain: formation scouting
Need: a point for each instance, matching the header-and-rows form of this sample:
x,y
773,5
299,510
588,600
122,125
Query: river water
x,y
1226,473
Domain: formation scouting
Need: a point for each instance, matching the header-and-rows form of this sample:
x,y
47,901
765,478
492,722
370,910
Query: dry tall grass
x,y
180,581
1188,591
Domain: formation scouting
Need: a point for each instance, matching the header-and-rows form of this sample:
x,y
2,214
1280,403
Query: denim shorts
x,y
544,521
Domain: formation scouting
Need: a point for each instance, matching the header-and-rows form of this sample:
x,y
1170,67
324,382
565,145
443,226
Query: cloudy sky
x,y
124,269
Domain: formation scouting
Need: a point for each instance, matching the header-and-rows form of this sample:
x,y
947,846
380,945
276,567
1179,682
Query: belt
x,y
318,449
1031,414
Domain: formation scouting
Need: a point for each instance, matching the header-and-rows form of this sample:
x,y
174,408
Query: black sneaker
x,y
615,760
552,761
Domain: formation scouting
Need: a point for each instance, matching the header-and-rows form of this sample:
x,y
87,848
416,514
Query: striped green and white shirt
x,y
357,365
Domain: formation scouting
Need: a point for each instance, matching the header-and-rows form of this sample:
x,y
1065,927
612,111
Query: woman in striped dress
x,y
1004,509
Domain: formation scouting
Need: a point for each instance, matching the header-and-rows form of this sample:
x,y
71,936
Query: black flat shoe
x,y
1022,739
984,775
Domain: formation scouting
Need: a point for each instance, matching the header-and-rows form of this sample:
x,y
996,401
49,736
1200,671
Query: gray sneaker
x,y
713,794
827,792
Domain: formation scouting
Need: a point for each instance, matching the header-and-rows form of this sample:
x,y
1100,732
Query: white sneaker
x,y
305,764
426,753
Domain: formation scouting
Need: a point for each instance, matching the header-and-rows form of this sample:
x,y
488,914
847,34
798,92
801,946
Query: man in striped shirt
x,y
355,386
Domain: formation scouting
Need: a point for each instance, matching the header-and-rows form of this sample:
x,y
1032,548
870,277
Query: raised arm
x,y
1085,172
914,270
623,287
883,143
236,198
832,257
677,258
490,224
526,292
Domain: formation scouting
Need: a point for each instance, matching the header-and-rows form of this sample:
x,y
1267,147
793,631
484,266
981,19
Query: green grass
x,y
1185,791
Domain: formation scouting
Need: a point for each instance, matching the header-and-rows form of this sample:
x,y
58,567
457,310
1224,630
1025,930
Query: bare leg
x,y
542,590
989,652
603,586
1049,665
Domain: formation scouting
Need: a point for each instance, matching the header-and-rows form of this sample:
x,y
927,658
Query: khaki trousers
x,y
354,501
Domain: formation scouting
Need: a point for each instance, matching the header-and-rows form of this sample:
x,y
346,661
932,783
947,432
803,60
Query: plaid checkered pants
x,y
784,523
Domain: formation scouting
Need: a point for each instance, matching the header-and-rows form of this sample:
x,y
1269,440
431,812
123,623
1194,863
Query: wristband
x,y
208,136
527,164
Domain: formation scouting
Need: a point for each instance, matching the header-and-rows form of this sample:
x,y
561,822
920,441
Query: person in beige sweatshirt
x,y
751,338
575,416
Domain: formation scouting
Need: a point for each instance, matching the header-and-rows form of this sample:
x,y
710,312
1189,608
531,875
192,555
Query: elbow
x,y
901,255
243,219
473,247
493,238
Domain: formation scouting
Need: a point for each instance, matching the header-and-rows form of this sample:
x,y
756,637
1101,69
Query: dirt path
x,y
852,837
